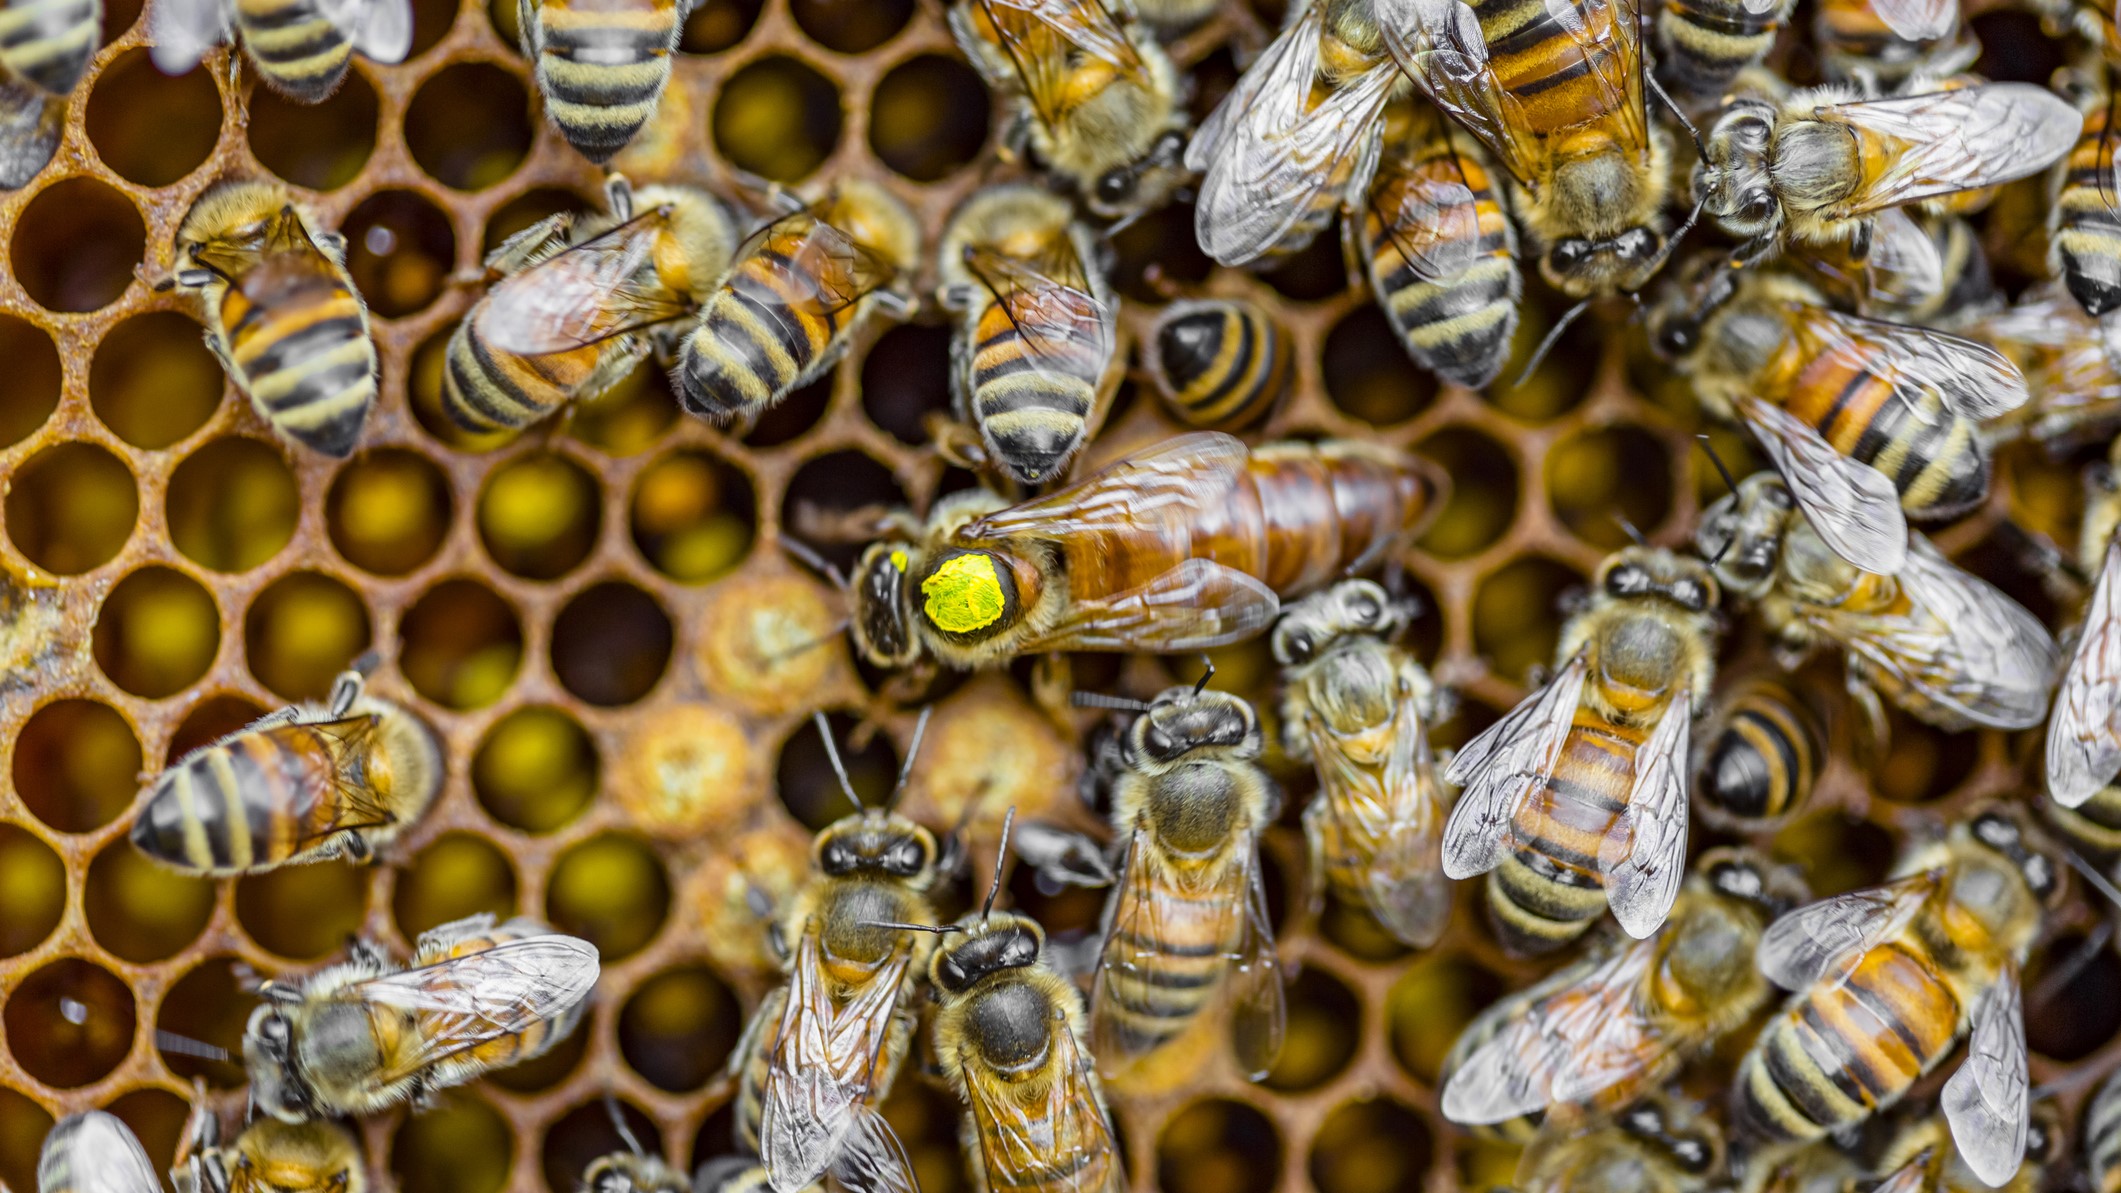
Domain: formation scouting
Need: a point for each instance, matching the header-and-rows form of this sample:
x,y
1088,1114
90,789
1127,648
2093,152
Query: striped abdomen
x,y
533,1041
1854,38
2094,825
766,331
485,390
2087,234
297,337
1220,363
1030,378
755,1055
48,43
1442,259
1841,1052
1007,1045
2100,1132
1762,765
255,802
295,46
1703,44
1548,889
1545,67
601,66
1150,988
1931,453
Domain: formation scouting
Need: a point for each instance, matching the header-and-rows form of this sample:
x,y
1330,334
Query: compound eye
x,y
1160,743
906,857
1364,610
1691,595
1570,254
1116,186
1678,337
1627,580
951,973
1759,207
274,1030
1636,244
838,858
1299,647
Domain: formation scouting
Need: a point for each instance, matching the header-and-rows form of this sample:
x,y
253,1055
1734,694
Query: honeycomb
x,y
598,622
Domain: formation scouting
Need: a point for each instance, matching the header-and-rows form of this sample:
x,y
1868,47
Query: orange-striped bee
x,y
1887,980
355,1037
1360,708
301,48
1096,99
601,66
1440,252
1557,95
1220,363
580,302
1921,1157
1930,271
2085,233
1034,329
269,1156
1869,422
1603,1032
1946,646
1184,547
305,784
2068,359
2084,735
1704,45
1769,735
1186,928
94,1152
1822,164
1881,44
822,1050
1578,798
1297,138
801,289
281,311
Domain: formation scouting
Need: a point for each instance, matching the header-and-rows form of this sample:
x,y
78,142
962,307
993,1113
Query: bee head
x,y
970,595
1733,181
268,1053
1746,875
1999,830
883,630
1653,572
1132,187
1684,302
877,843
1007,941
1185,719
1580,266
1309,626
1742,533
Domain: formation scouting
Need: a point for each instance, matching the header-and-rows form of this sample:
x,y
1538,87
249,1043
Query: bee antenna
x,y
1701,152
1206,674
1708,448
2097,881
1546,345
618,1123
182,1045
1635,535
1001,860
1101,700
938,929
913,751
808,556
824,732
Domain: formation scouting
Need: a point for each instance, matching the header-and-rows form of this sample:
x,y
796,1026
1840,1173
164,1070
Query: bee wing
x,y
1918,20
1973,379
1400,804
1158,492
1197,605
1958,140
1852,505
823,1066
182,31
1985,1101
1498,769
1587,1035
828,268
1818,939
1644,861
1903,265
1065,327
1254,986
94,1152
1966,645
872,1159
381,29
584,294
2084,734
1013,1145
467,1001
1131,916
1037,36
1435,228
353,804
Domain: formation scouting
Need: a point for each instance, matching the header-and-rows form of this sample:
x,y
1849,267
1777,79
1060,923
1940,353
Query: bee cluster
x,y
398,687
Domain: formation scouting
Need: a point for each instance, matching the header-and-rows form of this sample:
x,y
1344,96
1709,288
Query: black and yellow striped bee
x,y
268,1156
601,65
1769,736
1704,45
2085,236
281,311
800,291
1220,364
94,1152
301,48
45,47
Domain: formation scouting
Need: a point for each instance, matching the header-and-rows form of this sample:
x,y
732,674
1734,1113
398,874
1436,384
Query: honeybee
x,y
1297,137
1034,327
579,302
94,1152
355,1037
1186,927
301,48
1440,252
1220,363
801,289
601,68
634,1170
823,1049
1931,272
1095,99
1945,646
31,125
1557,96
2068,359
733,1174
1183,547
269,1156
1887,980
1869,422
281,311
49,47
2100,1132
1920,1157
1654,1147
1880,44
2086,215
1704,45
305,784
1769,735
1822,164
1579,795
1359,708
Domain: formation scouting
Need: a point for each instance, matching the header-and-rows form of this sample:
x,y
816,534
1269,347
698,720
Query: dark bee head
x,y
1004,941
970,596
1185,719
1133,187
1733,182
1653,572
1312,624
1678,314
2006,833
1743,532
1746,875
1580,266
1189,340
276,1087
883,630
877,844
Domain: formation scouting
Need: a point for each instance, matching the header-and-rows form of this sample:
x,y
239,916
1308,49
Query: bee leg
x,y
1062,858
532,243
363,951
344,691
1052,682
618,196
1315,856
777,941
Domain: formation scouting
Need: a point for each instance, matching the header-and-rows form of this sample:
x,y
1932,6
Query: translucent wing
x,y
94,1152
1963,139
828,270
823,1066
1498,769
1852,505
1918,20
1038,34
30,127
1253,990
184,30
1589,1034
1066,329
350,801
1820,938
480,997
1985,1102
381,29
1400,804
1136,930
1966,646
1162,490
2084,734
1903,266
1431,218
1645,859
582,295
871,1159
1197,605
1973,379
1276,154
1070,1136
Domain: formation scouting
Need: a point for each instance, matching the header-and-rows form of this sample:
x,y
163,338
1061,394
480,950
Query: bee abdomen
x,y
49,42
1221,364
478,394
602,73
752,346
1460,329
296,47
1174,976
216,811
312,375
1705,46
2094,825
1763,764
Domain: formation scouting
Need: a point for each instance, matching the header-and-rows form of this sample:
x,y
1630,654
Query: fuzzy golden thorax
x,y
1649,634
